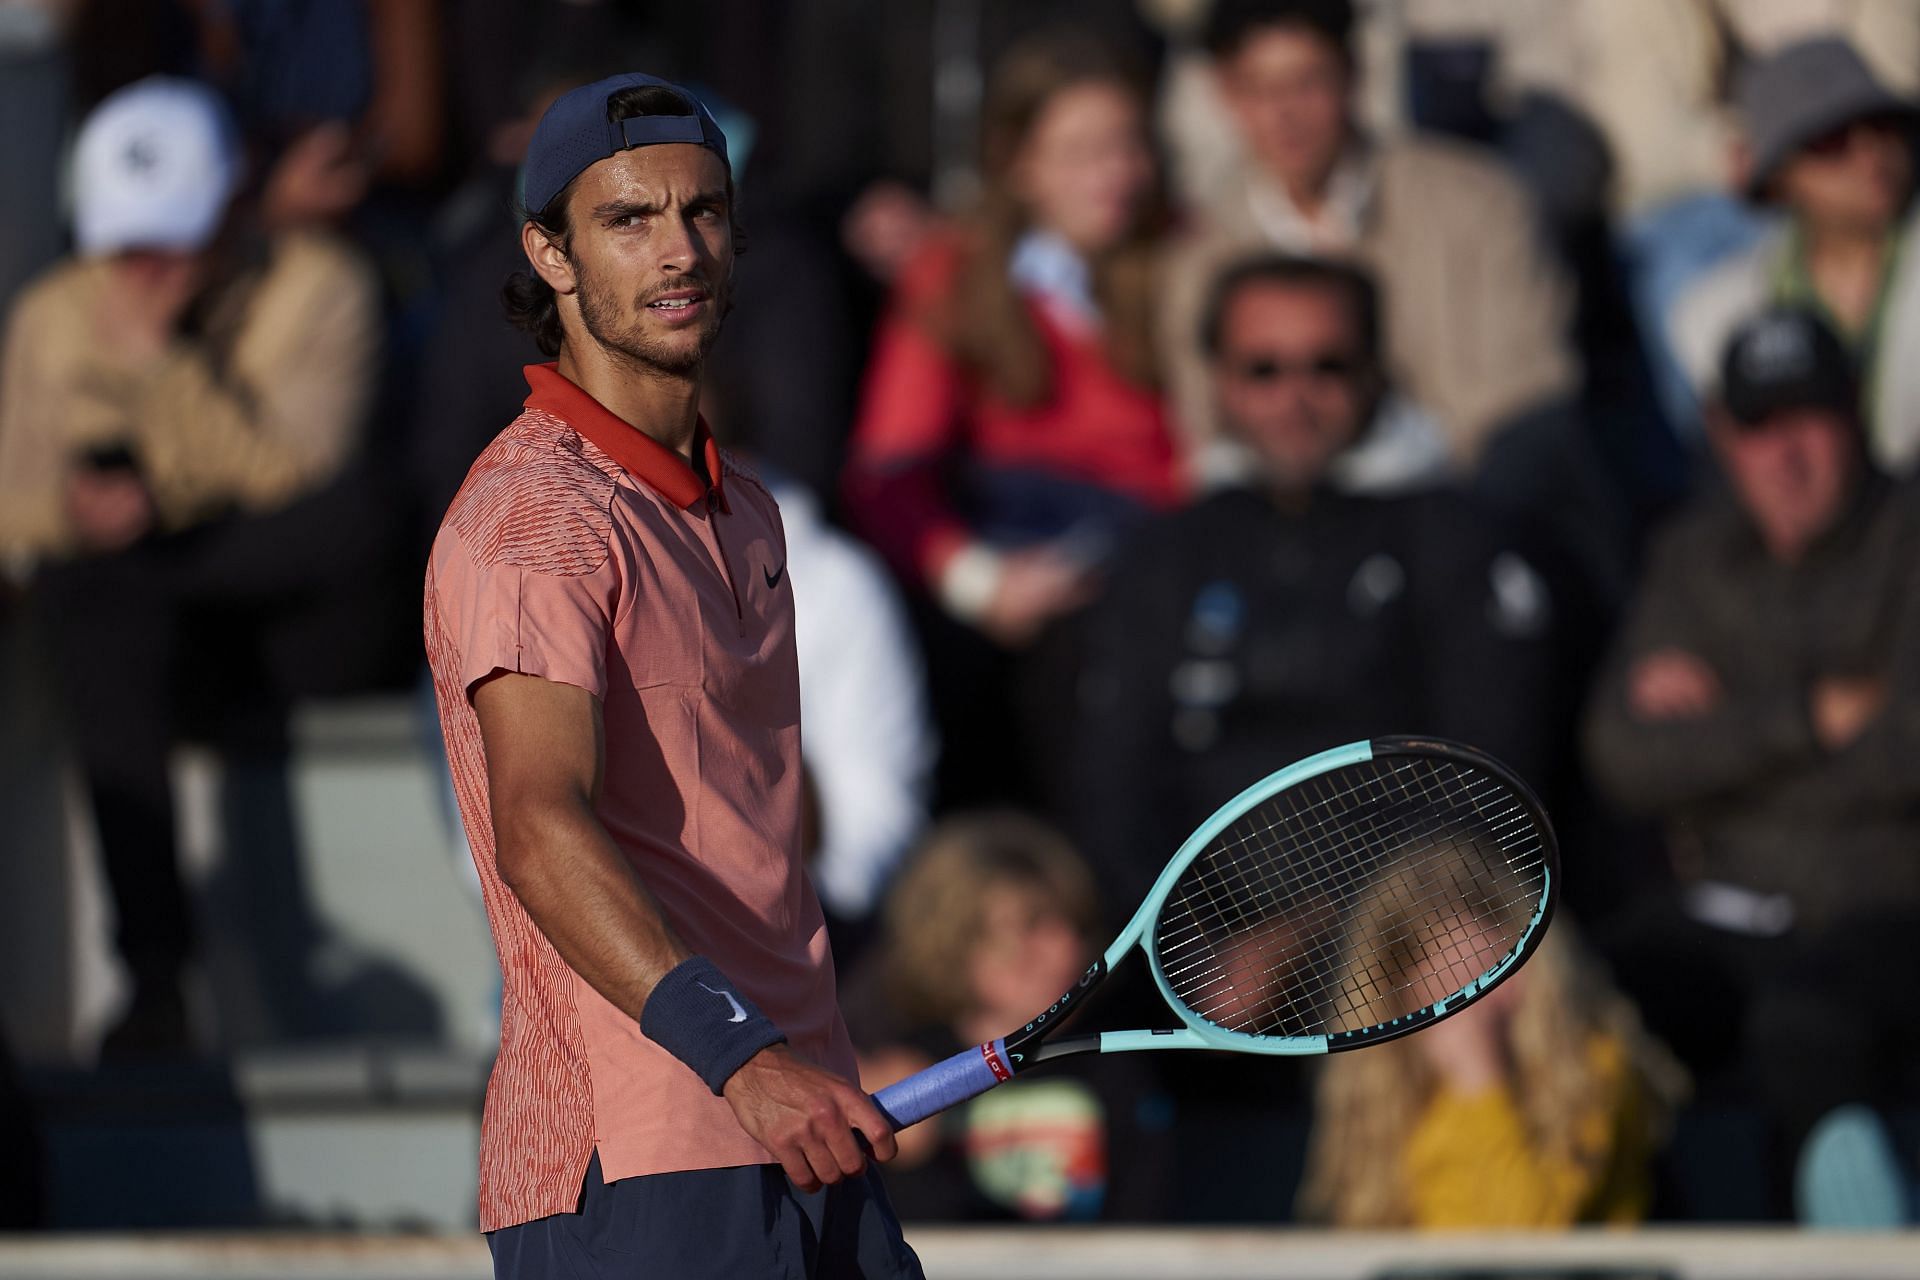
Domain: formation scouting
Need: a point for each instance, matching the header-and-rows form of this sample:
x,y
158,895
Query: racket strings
x,y
1416,927
1354,899
1366,988
1282,1000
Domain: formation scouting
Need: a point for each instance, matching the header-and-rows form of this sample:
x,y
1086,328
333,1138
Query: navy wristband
x,y
699,1017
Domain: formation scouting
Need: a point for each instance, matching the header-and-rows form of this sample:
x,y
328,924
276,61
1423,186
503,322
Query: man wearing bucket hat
x,y
1833,149
609,620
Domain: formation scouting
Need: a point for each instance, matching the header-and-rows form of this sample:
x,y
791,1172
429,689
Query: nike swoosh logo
x,y
739,1014
773,579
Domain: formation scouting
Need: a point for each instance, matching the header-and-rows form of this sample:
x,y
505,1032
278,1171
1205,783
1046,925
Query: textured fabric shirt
x,y
580,550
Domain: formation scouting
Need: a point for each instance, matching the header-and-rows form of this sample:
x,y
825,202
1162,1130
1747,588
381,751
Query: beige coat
x,y
268,406
1474,307
1653,75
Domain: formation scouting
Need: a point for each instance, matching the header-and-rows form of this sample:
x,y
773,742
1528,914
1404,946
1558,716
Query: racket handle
x,y
966,1074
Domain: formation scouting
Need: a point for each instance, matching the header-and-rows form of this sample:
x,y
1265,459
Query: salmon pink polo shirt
x,y
583,551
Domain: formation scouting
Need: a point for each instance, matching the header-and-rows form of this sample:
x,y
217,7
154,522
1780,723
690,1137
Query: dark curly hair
x,y
530,301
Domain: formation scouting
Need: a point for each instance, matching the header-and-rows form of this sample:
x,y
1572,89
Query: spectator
x,y
1477,310
1763,704
1651,74
1282,615
1833,148
1010,425
992,918
178,408
1540,1106
869,747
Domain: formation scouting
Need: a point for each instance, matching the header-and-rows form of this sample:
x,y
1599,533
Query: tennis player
x,y
610,624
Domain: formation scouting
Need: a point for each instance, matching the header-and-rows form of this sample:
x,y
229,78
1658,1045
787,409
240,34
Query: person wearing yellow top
x,y
1540,1106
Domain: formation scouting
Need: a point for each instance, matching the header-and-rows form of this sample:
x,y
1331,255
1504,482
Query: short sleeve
x,y
509,617
523,578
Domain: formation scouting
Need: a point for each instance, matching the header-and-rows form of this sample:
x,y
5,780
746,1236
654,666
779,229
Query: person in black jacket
x,y
1330,591
1296,609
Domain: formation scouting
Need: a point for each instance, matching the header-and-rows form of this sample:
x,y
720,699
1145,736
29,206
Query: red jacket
x,y
921,408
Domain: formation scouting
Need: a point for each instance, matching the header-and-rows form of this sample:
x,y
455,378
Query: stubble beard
x,y
616,330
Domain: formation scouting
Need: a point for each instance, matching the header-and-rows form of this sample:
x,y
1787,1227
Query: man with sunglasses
x,y
1327,588
1832,148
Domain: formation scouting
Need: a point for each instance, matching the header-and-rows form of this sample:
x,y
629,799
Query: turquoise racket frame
x,y
1201,1034
975,1070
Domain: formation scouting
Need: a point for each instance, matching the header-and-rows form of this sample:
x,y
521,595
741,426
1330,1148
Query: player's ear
x,y
548,258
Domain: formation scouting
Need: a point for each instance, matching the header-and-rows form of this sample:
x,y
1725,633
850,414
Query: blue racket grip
x,y
967,1074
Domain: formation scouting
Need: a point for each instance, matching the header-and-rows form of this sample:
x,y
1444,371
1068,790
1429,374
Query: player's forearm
x,y
564,868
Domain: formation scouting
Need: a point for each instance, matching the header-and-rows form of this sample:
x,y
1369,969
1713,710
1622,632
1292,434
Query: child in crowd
x,y
991,919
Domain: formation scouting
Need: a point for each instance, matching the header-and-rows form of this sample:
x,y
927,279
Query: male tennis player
x,y
610,625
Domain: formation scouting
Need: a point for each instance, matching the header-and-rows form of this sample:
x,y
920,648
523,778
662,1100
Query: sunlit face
x,y
1288,89
1085,168
1792,473
651,254
1857,178
1290,377
1028,952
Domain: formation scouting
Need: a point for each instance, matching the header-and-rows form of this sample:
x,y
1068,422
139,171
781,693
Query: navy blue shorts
x,y
743,1223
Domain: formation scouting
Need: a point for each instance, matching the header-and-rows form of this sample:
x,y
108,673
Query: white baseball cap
x,y
154,168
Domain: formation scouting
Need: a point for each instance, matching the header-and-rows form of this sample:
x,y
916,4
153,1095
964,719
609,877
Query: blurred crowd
x,y
1156,392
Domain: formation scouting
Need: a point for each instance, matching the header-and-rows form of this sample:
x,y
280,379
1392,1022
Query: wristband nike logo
x,y
739,1014
773,579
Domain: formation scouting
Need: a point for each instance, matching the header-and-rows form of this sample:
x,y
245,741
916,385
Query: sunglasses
x,y
1332,365
1838,141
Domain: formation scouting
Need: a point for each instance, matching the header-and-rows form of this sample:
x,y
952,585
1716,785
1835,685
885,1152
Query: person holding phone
x,y
175,399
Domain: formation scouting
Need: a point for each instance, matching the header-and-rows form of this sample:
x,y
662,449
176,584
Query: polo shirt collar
x,y
642,457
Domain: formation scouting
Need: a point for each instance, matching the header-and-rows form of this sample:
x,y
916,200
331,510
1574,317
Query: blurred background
x,y
1156,391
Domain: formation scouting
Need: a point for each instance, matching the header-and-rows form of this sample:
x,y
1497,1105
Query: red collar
x,y
643,457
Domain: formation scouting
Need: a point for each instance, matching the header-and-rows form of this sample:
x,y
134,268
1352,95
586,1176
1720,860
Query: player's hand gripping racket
x,y
1356,896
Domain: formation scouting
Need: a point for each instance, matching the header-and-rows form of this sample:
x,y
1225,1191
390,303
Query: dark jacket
x,y
1747,793
1238,636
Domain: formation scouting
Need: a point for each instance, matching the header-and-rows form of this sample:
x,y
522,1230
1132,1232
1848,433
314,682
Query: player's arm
x,y
545,755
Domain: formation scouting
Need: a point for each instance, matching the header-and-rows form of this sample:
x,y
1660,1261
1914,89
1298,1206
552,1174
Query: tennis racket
x,y
1351,898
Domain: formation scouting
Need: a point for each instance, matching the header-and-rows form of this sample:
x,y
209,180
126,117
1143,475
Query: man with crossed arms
x,y
610,628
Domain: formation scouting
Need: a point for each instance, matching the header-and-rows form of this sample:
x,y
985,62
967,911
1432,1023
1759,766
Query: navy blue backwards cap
x,y
575,134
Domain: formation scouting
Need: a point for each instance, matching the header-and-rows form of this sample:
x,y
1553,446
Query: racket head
x,y
1351,898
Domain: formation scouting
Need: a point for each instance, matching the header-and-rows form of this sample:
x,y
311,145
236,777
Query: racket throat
x,y
1051,1049
1024,1047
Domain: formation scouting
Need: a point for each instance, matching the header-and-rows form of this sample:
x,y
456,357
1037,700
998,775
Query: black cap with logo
x,y
1786,358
